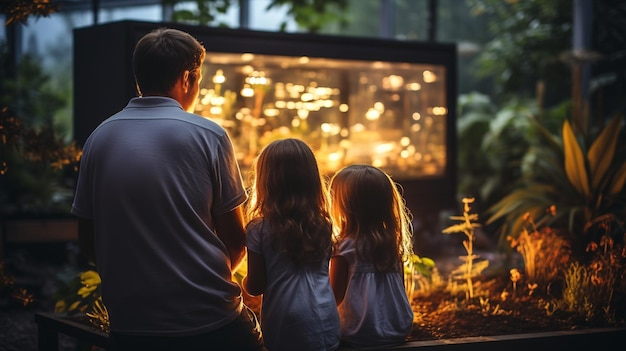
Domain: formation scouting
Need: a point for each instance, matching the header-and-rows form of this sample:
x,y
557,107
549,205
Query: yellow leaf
x,y
60,306
602,150
574,161
618,180
74,306
90,278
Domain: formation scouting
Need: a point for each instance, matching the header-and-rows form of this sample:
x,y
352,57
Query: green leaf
x,y
574,161
602,150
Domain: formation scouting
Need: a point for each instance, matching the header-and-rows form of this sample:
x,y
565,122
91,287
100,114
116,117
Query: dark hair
x,y
367,206
291,197
161,56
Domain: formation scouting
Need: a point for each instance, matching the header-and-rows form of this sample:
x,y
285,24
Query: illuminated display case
x,y
353,100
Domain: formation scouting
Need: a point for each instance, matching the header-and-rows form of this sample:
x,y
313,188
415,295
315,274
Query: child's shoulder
x,y
255,224
346,243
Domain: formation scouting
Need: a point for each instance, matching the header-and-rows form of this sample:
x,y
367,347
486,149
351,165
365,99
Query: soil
x,y
441,314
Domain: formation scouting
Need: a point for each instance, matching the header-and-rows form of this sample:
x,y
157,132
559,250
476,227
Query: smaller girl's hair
x,y
367,205
290,195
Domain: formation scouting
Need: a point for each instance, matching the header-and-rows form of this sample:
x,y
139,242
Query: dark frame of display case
x,y
103,81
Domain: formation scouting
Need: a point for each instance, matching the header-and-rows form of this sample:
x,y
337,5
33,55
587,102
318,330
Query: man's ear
x,y
185,81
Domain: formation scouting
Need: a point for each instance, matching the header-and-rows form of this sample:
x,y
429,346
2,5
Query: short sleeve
x,y
230,191
253,238
346,250
345,246
82,205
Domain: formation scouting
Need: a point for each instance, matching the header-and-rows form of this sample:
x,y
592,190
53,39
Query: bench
x,y
50,325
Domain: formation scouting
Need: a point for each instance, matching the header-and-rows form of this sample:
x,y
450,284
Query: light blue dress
x,y
375,311
299,310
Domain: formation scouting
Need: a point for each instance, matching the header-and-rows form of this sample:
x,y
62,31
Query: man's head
x,y
162,57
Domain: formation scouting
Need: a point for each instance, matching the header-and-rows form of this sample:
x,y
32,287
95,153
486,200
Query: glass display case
x,y
349,111
353,100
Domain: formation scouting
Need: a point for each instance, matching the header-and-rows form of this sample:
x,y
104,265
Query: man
x,y
159,198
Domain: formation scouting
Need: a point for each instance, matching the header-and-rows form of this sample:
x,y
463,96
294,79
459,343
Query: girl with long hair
x,y
289,240
374,231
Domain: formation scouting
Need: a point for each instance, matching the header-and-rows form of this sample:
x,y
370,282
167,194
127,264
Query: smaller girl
x,y
289,239
366,272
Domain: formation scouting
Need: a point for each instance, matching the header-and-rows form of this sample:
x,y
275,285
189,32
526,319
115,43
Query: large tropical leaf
x,y
619,180
574,161
522,200
601,153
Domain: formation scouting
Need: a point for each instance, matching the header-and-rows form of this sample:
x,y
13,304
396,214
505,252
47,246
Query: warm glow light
x,y
384,148
359,127
378,64
217,100
302,113
326,128
219,78
414,86
247,91
311,106
335,156
343,108
258,78
372,114
279,90
247,69
429,76
247,57
405,141
393,82
304,60
378,163
271,112
438,110
215,110
416,116
379,106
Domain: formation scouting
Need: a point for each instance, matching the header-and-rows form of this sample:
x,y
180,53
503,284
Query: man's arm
x,y
86,241
230,229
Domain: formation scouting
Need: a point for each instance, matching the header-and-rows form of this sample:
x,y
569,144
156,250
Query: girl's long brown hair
x,y
291,197
368,207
